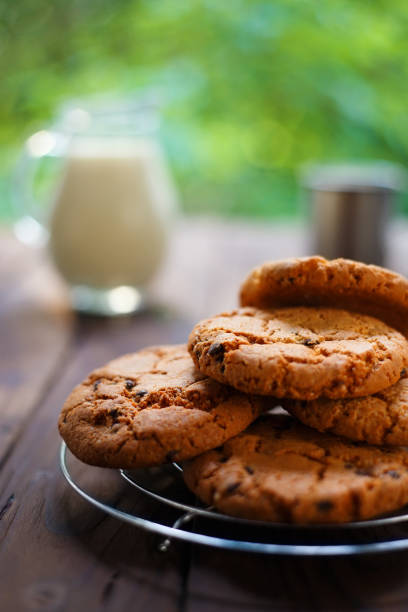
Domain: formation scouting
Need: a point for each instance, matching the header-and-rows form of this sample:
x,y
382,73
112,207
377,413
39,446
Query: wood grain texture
x,y
208,259
36,329
55,551
225,581
59,554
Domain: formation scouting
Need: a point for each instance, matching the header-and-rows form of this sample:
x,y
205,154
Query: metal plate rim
x,y
310,550
367,524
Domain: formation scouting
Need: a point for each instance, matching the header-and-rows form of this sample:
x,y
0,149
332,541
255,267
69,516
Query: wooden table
x,y
56,552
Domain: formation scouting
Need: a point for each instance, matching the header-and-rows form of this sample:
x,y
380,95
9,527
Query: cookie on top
x,y
342,283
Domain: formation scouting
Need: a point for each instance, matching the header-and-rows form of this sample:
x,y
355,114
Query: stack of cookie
x,y
326,340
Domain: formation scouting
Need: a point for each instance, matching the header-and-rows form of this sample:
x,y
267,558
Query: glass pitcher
x,y
106,202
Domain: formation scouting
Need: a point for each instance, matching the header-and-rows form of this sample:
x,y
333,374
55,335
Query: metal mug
x,y
350,208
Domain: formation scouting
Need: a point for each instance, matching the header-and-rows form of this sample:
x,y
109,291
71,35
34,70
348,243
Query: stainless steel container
x,y
350,208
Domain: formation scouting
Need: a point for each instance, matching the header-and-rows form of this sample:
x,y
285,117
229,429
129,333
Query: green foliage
x,y
251,89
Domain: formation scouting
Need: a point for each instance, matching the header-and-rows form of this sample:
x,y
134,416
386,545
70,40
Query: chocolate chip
x,y
140,393
403,373
348,466
100,418
223,459
217,351
114,413
364,472
309,342
96,384
232,487
393,474
129,384
325,505
249,469
171,455
197,353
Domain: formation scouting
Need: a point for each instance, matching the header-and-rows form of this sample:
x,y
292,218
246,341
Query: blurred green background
x,y
251,89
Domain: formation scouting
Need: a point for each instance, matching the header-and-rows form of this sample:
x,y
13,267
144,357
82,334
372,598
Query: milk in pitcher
x,y
109,223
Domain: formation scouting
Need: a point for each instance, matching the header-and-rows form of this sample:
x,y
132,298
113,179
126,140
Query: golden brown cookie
x,y
150,408
342,283
377,419
299,352
279,470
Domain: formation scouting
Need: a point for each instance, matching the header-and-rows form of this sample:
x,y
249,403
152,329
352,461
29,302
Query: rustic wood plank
x,y
224,581
208,259
35,331
78,558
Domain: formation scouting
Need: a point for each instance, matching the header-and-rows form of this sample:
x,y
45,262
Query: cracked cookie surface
x,y
149,408
299,352
381,418
342,283
279,470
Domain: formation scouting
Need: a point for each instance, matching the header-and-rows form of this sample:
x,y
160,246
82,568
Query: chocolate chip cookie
x,y
299,352
150,408
381,418
341,283
279,470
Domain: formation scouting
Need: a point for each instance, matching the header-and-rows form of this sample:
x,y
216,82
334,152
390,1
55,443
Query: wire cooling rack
x,y
204,525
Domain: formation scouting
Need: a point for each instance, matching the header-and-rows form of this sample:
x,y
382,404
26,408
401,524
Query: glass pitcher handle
x,y
30,227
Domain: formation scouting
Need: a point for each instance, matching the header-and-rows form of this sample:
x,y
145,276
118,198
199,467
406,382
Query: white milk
x,y
109,222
